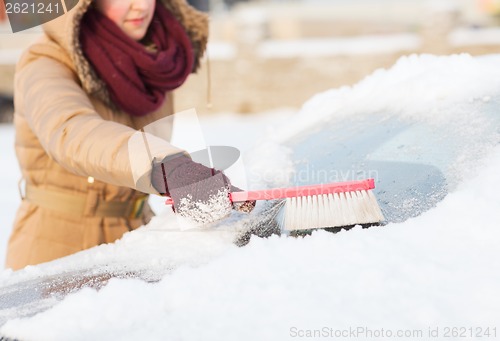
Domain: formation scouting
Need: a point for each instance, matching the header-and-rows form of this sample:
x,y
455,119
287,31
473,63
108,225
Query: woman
x,y
99,74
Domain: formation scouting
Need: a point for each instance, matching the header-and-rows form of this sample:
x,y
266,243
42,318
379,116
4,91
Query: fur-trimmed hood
x,y
65,32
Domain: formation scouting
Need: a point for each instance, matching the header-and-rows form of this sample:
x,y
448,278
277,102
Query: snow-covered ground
x,y
418,279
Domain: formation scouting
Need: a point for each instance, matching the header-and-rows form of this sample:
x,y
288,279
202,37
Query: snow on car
x,y
427,130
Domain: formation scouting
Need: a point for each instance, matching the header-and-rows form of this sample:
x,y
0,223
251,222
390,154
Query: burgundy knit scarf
x,y
137,79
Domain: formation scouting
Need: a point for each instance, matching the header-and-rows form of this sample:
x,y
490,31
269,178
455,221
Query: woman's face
x,y
132,16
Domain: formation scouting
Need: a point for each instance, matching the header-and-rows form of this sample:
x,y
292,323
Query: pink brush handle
x,y
300,191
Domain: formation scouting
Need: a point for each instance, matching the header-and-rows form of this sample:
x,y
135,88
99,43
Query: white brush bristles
x,y
331,210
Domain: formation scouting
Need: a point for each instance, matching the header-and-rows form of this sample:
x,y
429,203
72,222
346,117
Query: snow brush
x,y
320,206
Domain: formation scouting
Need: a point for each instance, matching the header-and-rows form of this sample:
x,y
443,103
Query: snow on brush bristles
x,y
331,210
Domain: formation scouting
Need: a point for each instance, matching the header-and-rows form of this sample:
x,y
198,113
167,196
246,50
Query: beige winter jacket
x,y
68,134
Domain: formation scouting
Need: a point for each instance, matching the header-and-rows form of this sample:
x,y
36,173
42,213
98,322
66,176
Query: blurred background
x,y
269,54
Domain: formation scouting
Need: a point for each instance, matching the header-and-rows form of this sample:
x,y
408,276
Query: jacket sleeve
x,y
65,122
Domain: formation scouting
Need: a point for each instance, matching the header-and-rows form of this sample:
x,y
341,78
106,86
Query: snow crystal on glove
x,y
197,213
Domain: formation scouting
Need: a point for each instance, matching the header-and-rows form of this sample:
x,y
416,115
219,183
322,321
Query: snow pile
x,y
364,45
221,51
433,271
474,36
163,244
418,87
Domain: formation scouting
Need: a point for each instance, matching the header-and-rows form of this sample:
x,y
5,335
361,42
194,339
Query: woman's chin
x,y
136,35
